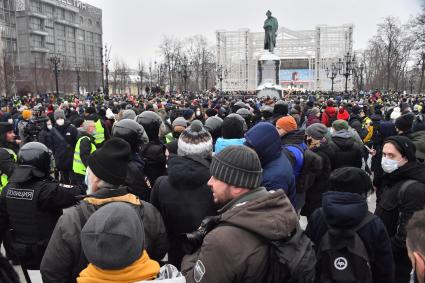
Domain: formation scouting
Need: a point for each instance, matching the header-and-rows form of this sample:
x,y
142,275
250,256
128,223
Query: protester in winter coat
x,y
313,116
330,114
213,125
64,258
401,193
343,114
277,170
347,151
229,253
316,142
183,197
416,245
128,261
232,131
64,139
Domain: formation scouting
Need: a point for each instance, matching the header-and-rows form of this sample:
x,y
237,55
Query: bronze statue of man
x,y
270,28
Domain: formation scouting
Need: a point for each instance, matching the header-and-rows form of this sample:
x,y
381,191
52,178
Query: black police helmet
x,y
130,131
35,154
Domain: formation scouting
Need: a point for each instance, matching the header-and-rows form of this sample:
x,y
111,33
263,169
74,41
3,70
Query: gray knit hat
x,y
213,123
59,114
179,121
113,237
238,166
317,131
128,114
195,140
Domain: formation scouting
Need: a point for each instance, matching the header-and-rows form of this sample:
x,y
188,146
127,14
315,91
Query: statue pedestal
x,y
268,66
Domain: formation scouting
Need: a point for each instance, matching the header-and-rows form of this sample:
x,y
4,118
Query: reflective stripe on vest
x,y
169,138
4,177
99,136
78,165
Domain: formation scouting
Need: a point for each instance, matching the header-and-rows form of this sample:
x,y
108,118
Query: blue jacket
x,y
346,210
277,170
221,143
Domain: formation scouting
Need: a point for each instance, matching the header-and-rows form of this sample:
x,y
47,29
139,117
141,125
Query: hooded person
x,y
401,192
106,176
183,197
404,124
232,131
108,262
277,169
344,207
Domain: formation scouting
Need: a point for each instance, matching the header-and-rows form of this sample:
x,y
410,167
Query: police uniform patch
x,y
198,271
66,186
20,194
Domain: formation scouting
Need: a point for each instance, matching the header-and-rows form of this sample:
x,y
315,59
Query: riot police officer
x,y
31,204
135,135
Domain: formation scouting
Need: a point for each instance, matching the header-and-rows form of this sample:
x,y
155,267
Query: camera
x,y
34,127
191,242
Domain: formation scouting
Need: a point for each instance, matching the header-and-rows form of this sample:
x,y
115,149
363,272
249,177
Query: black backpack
x,y
342,255
291,260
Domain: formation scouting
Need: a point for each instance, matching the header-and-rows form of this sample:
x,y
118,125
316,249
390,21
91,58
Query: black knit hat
x,y
238,166
351,180
232,128
405,122
110,162
404,145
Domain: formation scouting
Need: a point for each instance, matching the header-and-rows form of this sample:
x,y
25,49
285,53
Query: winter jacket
x,y
348,153
418,138
295,137
222,143
329,115
277,170
64,139
345,210
85,145
184,199
232,254
136,179
153,154
395,209
64,258
312,119
343,115
321,183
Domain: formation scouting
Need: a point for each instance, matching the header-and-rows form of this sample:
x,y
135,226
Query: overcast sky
x,y
135,28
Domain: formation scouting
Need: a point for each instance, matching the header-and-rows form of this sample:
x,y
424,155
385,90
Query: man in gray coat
x,y
106,172
235,250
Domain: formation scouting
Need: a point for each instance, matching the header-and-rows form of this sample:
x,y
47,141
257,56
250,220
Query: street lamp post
x,y
411,85
221,73
150,78
361,75
332,73
185,71
349,63
77,70
55,60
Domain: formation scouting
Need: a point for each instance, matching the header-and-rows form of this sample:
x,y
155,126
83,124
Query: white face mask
x,y
389,165
49,127
60,122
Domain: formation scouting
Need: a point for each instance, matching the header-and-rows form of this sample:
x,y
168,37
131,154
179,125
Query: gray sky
x,y
135,28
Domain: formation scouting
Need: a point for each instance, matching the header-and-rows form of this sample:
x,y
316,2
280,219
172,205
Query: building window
x,y
90,51
81,20
48,10
80,34
81,50
90,22
89,36
70,33
60,45
60,13
71,48
50,36
36,40
35,24
98,24
60,30
35,6
69,16
97,39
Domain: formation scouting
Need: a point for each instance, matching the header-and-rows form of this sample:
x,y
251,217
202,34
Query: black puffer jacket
x,y
64,139
348,153
395,209
295,137
153,154
184,199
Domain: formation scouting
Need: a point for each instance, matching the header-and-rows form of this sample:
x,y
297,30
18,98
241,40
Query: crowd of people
x,y
210,187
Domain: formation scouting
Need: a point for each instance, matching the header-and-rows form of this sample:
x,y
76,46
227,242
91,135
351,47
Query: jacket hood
x,y
343,209
343,139
265,140
331,111
295,137
269,214
410,171
24,173
186,173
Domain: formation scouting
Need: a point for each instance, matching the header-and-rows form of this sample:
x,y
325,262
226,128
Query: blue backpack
x,y
295,154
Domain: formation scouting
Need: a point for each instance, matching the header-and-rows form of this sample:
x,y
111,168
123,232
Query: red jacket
x,y
343,114
329,114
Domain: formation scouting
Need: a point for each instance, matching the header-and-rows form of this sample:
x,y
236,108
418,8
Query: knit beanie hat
x,y
317,131
244,113
59,114
396,113
314,111
350,180
281,108
237,166
340,125
232,128
128,114
26,114
113,237
109,163
213,123
405,122
287,123
211,112
403,144
179,121
195,140
244,125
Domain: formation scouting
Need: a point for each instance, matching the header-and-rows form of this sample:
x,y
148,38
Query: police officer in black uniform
x,y
135,135
31,204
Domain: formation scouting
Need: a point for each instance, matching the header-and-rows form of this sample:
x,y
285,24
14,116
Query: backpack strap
x,y
403,189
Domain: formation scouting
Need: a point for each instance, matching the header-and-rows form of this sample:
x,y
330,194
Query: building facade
x,y
304,57
37,30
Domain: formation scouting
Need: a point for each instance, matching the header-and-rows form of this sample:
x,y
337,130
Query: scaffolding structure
x,y
238,53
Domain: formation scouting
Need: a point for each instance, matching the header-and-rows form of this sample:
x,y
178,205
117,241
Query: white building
x,y
304,55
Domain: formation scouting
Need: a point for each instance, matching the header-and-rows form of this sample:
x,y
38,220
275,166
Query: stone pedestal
x,y
268,76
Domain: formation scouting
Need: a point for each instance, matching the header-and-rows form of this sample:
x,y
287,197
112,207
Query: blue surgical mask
x,y
389,165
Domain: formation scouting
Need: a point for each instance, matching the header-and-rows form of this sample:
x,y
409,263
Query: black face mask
x,y
176,135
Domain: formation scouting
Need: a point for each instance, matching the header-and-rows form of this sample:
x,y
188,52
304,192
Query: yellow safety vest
x,y
99,136
78,165
4,177
169,138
